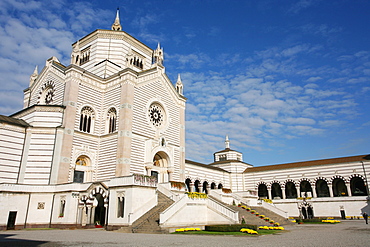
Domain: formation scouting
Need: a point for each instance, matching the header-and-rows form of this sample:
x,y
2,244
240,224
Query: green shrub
x,y
229,228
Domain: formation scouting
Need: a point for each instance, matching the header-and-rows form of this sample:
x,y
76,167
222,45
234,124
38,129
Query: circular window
x,y
49,96
156,115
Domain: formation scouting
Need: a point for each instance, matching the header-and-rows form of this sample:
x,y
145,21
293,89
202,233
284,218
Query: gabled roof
x,y
13,121
331,161
205,166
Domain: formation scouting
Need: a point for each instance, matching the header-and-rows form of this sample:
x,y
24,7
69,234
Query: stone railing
x,y
133,216
273,208
229,213
134,179
164,188
169,212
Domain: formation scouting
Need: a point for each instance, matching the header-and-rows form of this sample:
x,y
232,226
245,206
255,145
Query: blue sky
x,y
286,80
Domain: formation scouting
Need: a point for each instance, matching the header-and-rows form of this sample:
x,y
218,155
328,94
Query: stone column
x,y
191,187
89,209
283,193
269,194
330,190
298,188
349,189
79,216
314,195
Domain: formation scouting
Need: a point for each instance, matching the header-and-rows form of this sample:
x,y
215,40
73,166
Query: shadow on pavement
x,y
5,241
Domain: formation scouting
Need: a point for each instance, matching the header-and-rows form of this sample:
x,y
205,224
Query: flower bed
x,y
271,228
187,229
249,231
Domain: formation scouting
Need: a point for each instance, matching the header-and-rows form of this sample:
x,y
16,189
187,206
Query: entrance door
x,y
99,216
154,174
11,220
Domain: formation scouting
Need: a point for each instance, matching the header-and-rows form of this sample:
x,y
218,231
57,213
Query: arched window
x,y
339,187
276,191
219,186
358,187
322,189
82,165
262,191
112,120
290,190
86,119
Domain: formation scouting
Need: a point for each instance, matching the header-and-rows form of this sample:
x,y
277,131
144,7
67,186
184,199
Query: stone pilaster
x,y
123,158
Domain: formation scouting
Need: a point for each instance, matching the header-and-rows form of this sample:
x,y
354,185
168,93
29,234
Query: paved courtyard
x,y
347,233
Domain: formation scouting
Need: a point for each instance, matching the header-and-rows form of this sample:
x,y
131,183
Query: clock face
x,y
156,115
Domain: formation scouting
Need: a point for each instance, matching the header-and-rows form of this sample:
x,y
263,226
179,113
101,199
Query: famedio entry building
x,y
101,141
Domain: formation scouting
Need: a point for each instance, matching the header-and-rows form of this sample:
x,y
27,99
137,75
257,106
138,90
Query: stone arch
x,y
290,189
276,192
306,210
305,188
82,169
262,191
196,185
357,185
205,187
322,188
188,184
213,185
339,186
160,168
95,205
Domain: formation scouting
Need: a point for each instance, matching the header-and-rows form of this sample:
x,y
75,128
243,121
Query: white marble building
x,y
97,140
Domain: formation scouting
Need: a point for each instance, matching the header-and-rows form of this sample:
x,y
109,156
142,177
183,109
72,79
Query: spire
x,y
158,55
34,76
179,85
227,142
117,25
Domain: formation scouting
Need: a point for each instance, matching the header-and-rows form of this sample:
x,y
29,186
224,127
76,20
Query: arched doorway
x,y
160,167
322,188
262,191
99,216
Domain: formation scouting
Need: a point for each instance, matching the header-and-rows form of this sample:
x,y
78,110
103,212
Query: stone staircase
x,y
149,222
252,219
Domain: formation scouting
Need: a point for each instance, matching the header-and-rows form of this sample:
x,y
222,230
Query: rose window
x,y
156,115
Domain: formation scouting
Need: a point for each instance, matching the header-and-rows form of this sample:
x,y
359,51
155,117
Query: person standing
x,y
365,216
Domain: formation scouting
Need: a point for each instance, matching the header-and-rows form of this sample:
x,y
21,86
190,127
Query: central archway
x,y
160,167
